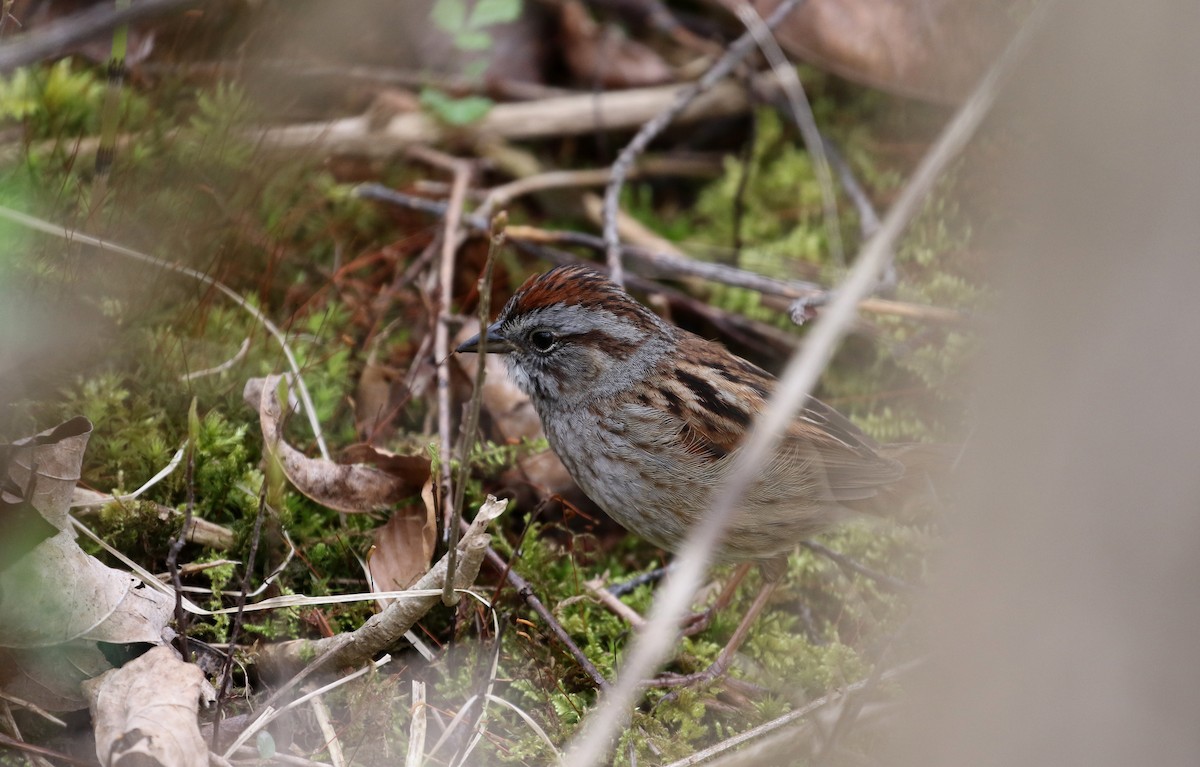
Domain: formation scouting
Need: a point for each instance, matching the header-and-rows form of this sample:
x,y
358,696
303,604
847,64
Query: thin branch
x,y
39,751
384,628
55,38
473,407
525,591
451,239
846,563
740,49
656,642
499,196
575,115
607,598
671,265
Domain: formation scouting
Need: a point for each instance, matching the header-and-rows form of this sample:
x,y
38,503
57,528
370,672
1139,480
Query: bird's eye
x,y
542,340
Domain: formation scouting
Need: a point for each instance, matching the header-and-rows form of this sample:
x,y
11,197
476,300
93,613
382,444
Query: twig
x,y
473,407
612,194
384,628
868,219
559,179
33,708
672,265
236,630
451,239
802,114
846,563
189,480
549,118
29,748
57,36
607,598
655,643
333,744
525,591
787,719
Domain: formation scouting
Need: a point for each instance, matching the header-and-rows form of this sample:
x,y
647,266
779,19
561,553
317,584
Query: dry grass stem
x,y
417,729
451,239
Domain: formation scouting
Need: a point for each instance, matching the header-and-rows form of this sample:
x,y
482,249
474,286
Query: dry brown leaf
x,y
412,470
601,55
372,400
929,49
404,546
145,712
350,488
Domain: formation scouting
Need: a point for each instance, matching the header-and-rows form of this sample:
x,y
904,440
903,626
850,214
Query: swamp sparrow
x,y
647,418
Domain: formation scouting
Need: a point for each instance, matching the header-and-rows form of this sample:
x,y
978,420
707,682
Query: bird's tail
x,y
923,491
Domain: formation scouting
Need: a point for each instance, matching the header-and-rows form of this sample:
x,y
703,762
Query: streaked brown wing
x,y
823,456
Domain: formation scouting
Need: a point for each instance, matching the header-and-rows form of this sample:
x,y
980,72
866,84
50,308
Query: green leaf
x,y
449,15
490,12
455,111
473,40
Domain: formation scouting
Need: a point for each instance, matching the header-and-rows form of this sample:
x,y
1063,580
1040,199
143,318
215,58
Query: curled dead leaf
x,y
351,488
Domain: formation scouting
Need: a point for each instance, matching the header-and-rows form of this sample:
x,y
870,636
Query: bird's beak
x,y
494,340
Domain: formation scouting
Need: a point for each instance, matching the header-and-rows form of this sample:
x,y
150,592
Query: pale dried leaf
x,y
56,601
58,592
145,712
55,456
929,49
353,488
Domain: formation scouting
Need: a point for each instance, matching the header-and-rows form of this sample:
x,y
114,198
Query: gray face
x,y
568,353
